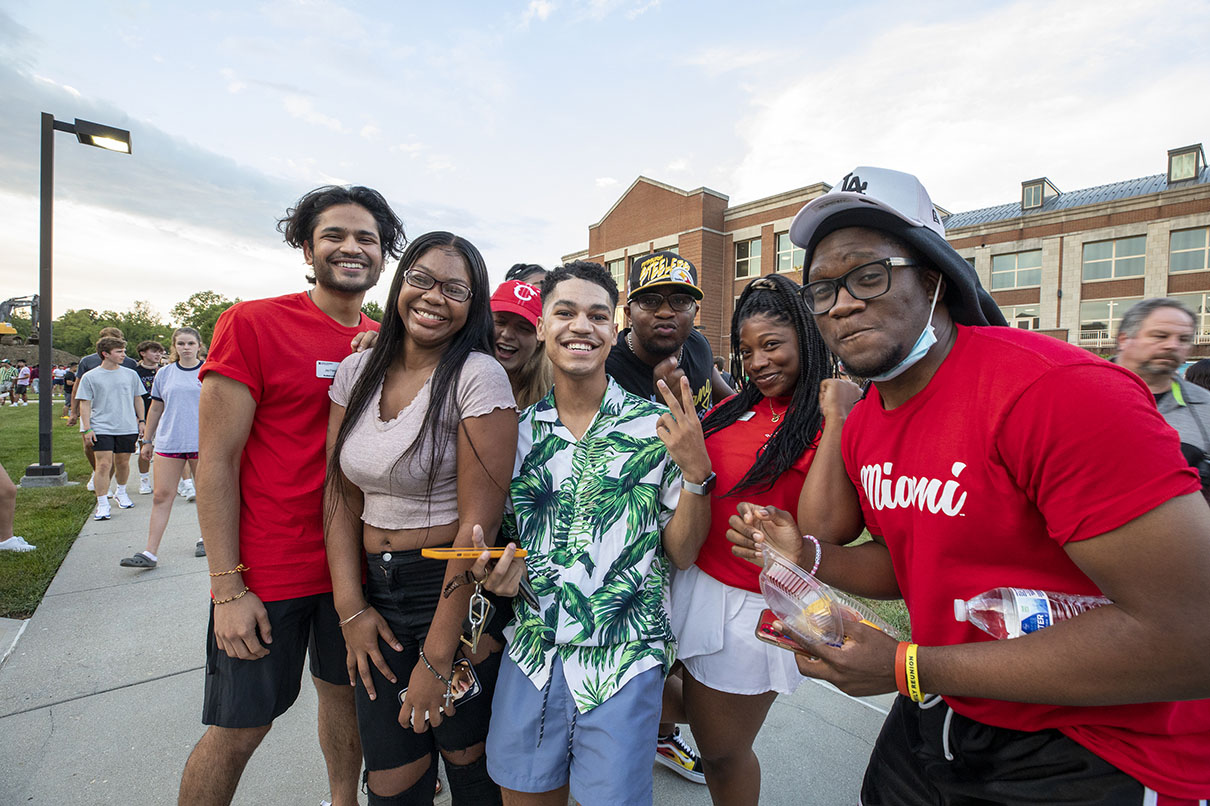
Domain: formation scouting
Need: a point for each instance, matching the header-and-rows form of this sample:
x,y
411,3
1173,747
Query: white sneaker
x,y
123,499
16,543
190,493
144,487
180,486
102,513
91,487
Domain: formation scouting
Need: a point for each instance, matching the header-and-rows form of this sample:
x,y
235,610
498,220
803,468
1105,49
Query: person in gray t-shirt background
x,y
88,363
111,411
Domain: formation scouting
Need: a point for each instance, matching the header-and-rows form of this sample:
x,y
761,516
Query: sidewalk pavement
x,y
101,695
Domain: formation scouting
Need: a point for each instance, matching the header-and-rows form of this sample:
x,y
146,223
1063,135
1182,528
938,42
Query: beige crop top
x,y
397,494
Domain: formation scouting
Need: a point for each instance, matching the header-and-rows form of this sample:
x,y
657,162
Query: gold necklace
x,y
774,414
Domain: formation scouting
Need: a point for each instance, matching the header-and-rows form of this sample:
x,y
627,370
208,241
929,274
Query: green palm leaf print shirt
x,y
589,512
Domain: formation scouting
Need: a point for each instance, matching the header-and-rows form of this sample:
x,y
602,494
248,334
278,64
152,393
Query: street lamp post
x,y
47,473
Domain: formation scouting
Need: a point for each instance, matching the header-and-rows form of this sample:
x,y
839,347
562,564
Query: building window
x,y
1199,306
1109,260
1025,317
1031,196
1185,163
970,261
1099,320
617,270
747,258
789,257
1017,270
1187,250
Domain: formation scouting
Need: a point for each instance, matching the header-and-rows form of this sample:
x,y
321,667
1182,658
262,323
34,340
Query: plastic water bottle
x,y
1013,612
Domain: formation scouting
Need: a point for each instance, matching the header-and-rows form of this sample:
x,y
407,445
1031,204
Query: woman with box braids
x,y
777,443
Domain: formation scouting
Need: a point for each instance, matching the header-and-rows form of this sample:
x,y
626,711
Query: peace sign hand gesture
x,y
681,432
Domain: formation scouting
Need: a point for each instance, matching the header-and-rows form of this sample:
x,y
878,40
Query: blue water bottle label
x,y
1034,608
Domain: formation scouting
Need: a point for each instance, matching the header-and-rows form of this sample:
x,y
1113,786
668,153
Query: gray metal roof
x,y
1076,198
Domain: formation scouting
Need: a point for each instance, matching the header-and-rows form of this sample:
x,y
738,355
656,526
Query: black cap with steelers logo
x,y
663,269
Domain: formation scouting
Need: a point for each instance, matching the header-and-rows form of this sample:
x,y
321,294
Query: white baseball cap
x,y
867,188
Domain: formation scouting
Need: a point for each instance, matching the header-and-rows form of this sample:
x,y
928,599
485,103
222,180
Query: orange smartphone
x,y
465,554
766,633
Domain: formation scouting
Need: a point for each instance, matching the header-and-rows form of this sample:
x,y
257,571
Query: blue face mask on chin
x,y
924,343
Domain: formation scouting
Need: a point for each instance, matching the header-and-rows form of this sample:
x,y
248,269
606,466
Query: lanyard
x,y
1177,395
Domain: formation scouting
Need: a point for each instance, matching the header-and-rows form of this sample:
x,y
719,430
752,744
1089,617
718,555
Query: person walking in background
x,y
172,433
516,307
69,385
111,412
57,374
721,366
150,353
88,363
21,383
8,376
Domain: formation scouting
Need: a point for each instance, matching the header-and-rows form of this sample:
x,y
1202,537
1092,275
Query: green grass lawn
x,y
891,611
48,517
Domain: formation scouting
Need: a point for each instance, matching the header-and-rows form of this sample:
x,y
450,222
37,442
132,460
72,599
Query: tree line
x,y
76,330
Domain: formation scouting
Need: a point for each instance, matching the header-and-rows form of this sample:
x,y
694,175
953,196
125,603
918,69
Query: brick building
x,y
1066,264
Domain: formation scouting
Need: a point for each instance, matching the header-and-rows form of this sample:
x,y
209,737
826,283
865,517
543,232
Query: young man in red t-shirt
x,y
262,426
987,457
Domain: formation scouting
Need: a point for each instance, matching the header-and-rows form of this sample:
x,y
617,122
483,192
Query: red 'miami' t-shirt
x,y
732,452
285,350
1019,444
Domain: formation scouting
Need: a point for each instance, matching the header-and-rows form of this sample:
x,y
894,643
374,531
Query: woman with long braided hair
x,y
776,442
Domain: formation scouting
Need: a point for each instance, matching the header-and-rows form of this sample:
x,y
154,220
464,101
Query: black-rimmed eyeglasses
x,y
449,289
863,282
653,302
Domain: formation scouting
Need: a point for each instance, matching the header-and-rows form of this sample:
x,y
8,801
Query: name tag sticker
x,y
747,415
326,369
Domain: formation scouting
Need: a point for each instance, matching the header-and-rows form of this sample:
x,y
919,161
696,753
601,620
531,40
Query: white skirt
x,y
715,627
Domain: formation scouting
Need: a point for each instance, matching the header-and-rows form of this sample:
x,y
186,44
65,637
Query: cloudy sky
x,y
518,124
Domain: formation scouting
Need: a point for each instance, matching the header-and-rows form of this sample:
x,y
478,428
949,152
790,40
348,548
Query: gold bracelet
x,y
350,618
233,598
237,569
911,668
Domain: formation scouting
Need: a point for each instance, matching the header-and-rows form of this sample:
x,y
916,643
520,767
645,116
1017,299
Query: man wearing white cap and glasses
x,y
986,457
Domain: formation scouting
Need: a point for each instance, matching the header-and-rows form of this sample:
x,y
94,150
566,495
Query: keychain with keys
x,y
477,615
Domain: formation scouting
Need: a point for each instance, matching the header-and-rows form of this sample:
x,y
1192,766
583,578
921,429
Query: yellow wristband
x,y
912,670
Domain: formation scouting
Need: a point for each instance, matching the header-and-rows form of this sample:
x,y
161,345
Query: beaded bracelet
x,y
233,598
237,569
818,553
449,681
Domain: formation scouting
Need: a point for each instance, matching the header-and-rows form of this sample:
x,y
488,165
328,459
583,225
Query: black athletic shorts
x,y
253,693
118,443
989,765
405,589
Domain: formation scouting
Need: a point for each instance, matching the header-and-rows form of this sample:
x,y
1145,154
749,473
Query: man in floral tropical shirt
x,y
597,504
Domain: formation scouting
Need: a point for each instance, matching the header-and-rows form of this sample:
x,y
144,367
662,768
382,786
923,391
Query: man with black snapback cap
x,y
661,342
987,457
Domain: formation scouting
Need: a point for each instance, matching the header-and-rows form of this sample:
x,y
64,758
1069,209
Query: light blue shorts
x,y
604,754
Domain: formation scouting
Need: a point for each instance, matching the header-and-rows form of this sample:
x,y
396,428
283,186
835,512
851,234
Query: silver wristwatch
x,y
701,489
